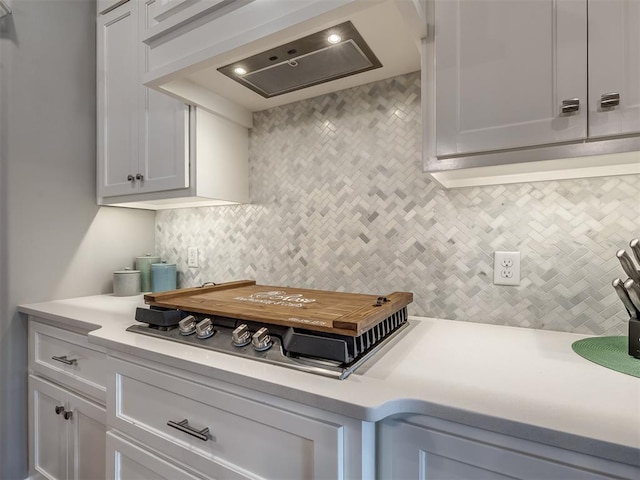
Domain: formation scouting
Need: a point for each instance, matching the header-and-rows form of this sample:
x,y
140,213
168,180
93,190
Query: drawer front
x,y
68,358
245,438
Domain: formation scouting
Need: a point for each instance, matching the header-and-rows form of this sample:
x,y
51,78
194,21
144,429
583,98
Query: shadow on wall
x,y
112,240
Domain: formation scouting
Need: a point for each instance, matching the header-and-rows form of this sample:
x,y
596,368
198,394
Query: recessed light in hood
x,y
329,54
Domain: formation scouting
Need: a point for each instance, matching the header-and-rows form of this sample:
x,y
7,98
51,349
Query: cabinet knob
x,y
131,178
571,105
67,415
609,100
139,177
59,410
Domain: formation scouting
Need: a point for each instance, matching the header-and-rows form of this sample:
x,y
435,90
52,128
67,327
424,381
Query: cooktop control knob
x,y
241,336
187,325
204,329
261,340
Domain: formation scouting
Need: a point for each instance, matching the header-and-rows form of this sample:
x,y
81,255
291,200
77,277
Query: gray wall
x,y
54,241
339,202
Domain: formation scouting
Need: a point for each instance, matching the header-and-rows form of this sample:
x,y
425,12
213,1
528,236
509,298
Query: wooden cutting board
x,y
336,312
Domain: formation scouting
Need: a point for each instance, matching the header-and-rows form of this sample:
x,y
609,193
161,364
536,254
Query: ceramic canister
x,y
126,282
163,276
144,265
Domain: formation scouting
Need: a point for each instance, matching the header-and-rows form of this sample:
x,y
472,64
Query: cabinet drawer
x,y
67,358
245,438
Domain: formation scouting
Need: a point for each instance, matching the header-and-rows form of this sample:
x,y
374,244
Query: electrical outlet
x,y
192,257
506,268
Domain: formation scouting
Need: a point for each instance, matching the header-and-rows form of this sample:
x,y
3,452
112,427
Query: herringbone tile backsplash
x,y
339,202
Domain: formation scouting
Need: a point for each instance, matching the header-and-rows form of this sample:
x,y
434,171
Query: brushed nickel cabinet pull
x,y
609,100
65,360
183,426
571,105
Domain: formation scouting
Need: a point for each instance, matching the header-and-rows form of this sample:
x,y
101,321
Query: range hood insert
x,y
332,53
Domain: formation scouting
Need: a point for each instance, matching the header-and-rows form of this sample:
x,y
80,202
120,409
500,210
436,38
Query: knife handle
x,y
635,248
633,289
624,296
628,266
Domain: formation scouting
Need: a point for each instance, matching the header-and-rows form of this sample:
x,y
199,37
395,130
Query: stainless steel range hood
x,y
386,43
333,53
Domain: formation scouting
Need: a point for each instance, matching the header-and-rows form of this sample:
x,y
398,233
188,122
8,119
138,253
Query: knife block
x,y
634,337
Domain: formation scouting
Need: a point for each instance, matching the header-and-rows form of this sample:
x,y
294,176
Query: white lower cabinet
x,y
67,433
421,447
162,422
67,417
225,431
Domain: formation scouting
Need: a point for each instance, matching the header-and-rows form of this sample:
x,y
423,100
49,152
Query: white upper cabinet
x,y
512,87
142,140
614,67
149,154
503,71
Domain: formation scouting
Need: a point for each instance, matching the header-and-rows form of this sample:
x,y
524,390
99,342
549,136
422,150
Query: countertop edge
x,y
60,320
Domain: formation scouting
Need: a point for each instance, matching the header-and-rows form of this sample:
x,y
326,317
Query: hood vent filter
x,y
305,62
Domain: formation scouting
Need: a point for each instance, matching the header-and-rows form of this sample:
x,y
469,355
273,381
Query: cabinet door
x,y
164,140
503,70
86,432
164,143
48,430
118,119
614,67
408,451
127,461
67,438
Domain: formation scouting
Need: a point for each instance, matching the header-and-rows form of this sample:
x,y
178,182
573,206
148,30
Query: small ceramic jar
x,y
144,265
163,277
126,282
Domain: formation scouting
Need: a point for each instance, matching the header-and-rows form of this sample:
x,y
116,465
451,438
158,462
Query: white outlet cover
x,y
506,268
192,257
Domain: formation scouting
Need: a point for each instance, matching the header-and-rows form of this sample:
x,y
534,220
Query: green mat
x,y
610,352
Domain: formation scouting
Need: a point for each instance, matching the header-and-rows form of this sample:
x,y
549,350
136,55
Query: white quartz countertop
x,y
522,382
